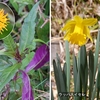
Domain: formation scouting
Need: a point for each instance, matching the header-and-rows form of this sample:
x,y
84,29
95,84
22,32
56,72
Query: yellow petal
x,y
69,31
68,25
78,19
89,21
87,32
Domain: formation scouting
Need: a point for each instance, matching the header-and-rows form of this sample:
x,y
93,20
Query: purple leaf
x,y
27,93
40,58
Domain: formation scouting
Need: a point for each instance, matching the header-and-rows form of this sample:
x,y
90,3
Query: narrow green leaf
x,y
98,83
8,74
24,1
52,97
59,78
75,71
27,59
97,52
9,44
68,65
91,73
62,84
96,61
28,29
14,4
56,75
84,68
39,40
21,8
4,62
47,7
79,84
7,53
65,74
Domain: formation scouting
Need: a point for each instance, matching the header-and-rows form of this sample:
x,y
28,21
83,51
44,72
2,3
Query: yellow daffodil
x,y
3,20
77,30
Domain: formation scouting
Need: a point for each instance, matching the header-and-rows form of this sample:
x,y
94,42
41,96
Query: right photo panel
x,y
75,50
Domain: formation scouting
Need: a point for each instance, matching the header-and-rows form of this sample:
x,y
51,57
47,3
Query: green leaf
x,y
21,7
7,53
4,62
91,73
52,97
75,71
56,75
14,4
24,1
68,65
78,84
65,74
97,52
39,40
9,44
32,46
8,74
28,29
43,33
27,59
13,96
84,67
59,77
96,61
47,7
98,82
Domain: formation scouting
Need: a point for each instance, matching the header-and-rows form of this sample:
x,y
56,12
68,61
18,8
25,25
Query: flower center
x,y
78,29
76,38
3,21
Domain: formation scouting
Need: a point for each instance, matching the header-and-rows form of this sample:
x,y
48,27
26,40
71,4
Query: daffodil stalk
x,y
77,32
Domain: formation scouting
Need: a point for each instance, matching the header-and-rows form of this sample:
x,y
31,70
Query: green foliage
x,y
28,29
84,71
4,62
61,86
8,74
14,4
24,1
44,31
27,59
9,44
68,66
19,47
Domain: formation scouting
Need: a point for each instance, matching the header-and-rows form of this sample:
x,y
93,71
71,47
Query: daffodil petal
x,y
69,31
89,21
68,25
87,32
78,19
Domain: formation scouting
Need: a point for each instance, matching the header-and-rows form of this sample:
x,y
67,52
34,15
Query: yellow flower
x,y
3,20
77,30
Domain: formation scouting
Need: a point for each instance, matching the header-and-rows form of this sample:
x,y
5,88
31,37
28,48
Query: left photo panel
x,y
24,49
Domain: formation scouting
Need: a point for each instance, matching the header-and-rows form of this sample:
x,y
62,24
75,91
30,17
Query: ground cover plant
x,y
24,49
